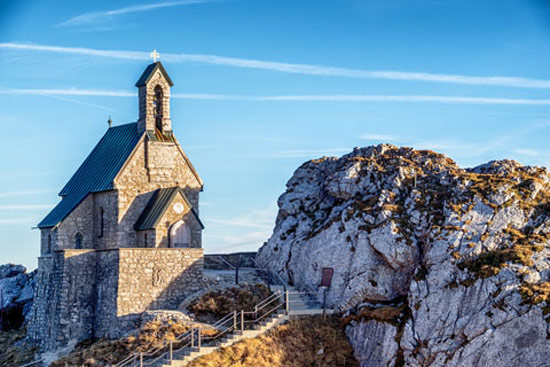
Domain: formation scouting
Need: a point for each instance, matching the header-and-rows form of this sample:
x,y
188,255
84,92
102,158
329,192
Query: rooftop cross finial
x,y
154,55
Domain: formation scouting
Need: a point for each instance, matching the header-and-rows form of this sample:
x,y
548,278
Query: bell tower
x,y
154,100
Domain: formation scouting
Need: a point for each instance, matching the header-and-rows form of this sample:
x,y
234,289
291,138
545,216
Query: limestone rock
x,y
434,265
16,288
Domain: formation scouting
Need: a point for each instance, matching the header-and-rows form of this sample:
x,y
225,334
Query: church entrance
x,y
180,235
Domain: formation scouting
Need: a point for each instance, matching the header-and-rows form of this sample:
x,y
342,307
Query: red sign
x,y
326,277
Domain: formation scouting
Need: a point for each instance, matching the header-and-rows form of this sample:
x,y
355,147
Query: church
x,y
126,236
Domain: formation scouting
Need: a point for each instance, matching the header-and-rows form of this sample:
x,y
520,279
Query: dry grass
x,y
13,350
105,352
216,304
300,343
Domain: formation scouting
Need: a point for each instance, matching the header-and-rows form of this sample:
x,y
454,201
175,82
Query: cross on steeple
x,y
154,55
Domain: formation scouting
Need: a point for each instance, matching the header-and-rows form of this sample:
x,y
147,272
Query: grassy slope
x,y
300,343
13,351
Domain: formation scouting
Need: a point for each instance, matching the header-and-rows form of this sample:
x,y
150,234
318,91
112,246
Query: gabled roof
x,y
98,171
149,71
157,206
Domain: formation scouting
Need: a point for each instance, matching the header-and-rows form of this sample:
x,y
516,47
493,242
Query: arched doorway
x,y
180,235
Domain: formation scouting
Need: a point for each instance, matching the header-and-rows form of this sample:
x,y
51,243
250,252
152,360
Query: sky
x,y
261,87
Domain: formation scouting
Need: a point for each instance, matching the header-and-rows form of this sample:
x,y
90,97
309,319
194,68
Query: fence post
x,y
171,350
255,313
135,360
287,301
235,320
242,322
141,359
192,337
199,337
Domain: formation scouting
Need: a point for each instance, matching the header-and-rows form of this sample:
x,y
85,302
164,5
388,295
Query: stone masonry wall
x,y
136,185
163,236
107,278
64,300
102,293
146,95
154,279
108,201
79,221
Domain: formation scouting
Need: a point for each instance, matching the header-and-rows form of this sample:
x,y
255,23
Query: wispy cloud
x,y
383,137
24,193
308,153
25,206
507,81
239,223
15,221
108,15
296,98
527,152
243,232
60,93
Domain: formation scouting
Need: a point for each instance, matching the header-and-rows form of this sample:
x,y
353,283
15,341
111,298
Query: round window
x,y
178,208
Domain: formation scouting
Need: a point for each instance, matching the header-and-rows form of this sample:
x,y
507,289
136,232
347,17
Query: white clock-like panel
x,y
178,208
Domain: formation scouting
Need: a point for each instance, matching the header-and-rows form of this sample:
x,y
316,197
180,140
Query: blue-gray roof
x,y
157,206
149,71
97,172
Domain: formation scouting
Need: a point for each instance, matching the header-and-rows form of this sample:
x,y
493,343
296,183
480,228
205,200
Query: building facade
x,y
126,235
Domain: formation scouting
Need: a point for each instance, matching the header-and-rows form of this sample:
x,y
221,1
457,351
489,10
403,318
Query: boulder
x,y
16,294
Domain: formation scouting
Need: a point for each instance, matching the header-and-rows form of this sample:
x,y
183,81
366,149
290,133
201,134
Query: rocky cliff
x,y
16,295
434,265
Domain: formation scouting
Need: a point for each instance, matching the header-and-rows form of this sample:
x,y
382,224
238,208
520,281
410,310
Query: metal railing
x,y
194,338
273,278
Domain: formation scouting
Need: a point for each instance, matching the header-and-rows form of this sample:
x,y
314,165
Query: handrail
x,y
187,339
270,271
274,295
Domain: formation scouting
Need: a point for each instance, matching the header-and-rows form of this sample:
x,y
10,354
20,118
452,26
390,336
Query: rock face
x,y
17,290
434,265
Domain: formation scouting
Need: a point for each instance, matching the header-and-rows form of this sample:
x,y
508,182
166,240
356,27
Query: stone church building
x,y
126,235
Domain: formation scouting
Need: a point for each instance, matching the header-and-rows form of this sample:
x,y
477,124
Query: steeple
x,y
154,100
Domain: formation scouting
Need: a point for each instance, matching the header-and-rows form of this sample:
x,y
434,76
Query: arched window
x,y
78,241
157,104
49,245
101,222
180,235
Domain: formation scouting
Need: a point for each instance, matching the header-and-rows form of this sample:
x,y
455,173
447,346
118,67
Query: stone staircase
x,y
284,304
189,354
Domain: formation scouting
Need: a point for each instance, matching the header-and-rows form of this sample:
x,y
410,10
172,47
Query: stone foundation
x,y
102,293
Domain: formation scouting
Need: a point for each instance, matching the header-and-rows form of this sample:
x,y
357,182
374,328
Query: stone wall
x,y
82,294
162,233
146,95
107,202
79,221
155,279
64,299
140,178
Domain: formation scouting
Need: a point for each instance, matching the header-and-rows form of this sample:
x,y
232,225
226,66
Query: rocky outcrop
x,y
434,265
16,294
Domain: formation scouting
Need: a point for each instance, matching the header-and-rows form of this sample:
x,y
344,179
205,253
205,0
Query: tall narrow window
x,y
49,245
78,241
145,240
101,222
157,104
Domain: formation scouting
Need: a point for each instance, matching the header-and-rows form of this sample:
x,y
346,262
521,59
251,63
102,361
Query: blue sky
x,y
260,87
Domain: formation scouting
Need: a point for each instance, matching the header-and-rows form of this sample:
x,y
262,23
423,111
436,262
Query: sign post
x,y
326,280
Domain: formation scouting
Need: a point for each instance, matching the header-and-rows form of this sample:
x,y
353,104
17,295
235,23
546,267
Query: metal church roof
x,y
97,172
157,206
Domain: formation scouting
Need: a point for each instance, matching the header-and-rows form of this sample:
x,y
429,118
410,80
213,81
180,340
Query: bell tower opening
x,y
154,102
157,108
